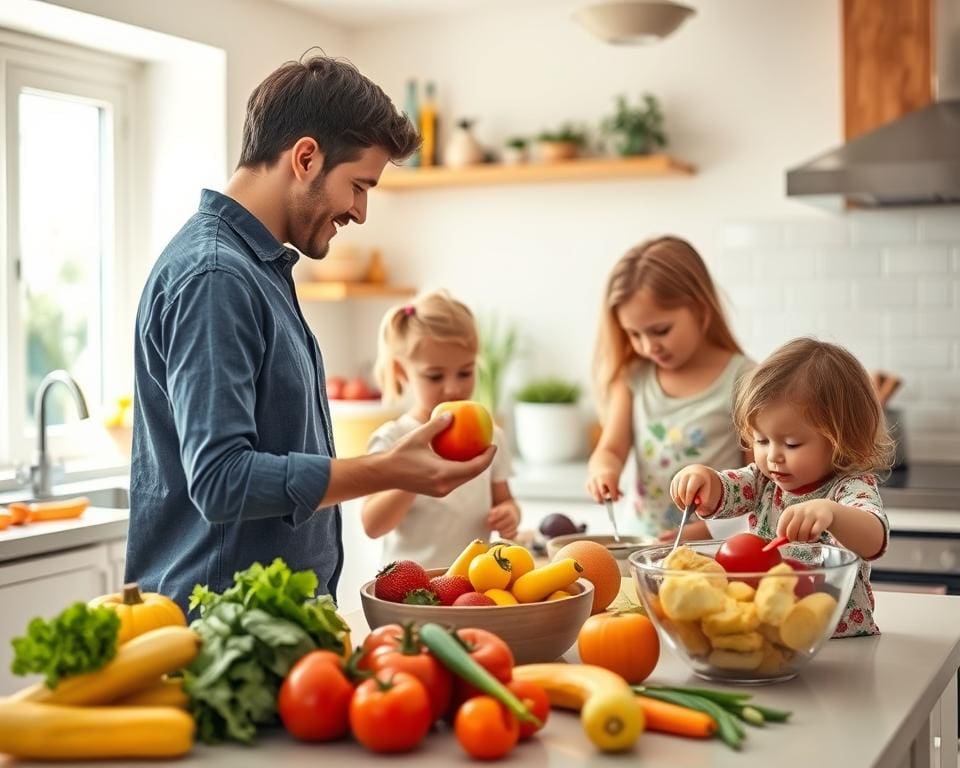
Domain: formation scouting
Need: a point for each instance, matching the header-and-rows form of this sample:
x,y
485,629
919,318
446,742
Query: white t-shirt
x,y
670,433
435,530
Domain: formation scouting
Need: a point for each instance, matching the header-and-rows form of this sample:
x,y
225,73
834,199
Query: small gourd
x,y
140,612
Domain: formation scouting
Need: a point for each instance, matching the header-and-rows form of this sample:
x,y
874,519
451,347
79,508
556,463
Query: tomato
x,y
389,635
489,571
390,713
491,653
535,698
625,643
806,584
485,729
314,698
742,553
411,658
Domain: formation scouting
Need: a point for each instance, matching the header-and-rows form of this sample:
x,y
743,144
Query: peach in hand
x,y
469,434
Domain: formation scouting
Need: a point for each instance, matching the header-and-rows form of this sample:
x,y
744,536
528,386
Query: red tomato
x,y
536,700
485,728
314,698
491,653
389,635
430,672
807,584
390,714
742,553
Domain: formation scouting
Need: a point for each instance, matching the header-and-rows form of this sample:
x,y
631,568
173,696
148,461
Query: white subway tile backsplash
x,y
808,295
850,261
758,299
926,354
900,325
827,232
943,323
837,325
917,259
921,417
885,292
733,265
940,225
940,386
882,228
802,261
752,234
934,292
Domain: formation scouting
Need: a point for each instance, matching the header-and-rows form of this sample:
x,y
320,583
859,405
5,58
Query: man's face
x,y
333,200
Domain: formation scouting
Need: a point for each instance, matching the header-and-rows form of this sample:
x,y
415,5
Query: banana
x,y
137,665
165,692
57,732
608,709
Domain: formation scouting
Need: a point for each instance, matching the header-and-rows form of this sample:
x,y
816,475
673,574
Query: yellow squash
x,y
608,710
58,732
140,612
461,565
165,692
137,665
539,583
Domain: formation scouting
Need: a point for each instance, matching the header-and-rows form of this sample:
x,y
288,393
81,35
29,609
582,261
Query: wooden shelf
x,y
338,291
584,169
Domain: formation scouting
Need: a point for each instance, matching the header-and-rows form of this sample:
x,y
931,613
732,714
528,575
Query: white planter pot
x,y
548,433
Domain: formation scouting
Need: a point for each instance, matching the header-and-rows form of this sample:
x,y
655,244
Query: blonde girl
x,y
816,430
427,351
665,367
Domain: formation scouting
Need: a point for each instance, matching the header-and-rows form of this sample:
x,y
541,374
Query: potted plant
x,y
636,130
498,347
562,144
515,151
547,421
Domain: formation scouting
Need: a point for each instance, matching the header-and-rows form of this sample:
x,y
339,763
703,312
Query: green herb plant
x,y
252,634
551,390
566,133
80,639
498,347
636,130
516,142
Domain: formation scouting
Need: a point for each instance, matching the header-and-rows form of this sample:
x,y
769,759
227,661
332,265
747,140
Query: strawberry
x,y
449,588
398,578
421,597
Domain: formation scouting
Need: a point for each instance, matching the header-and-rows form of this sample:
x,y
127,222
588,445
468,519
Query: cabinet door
x,y
44,586
117,556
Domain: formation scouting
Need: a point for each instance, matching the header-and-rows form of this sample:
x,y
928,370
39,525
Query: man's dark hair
x,y
329,101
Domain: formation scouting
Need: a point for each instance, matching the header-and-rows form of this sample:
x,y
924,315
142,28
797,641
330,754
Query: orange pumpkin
x,y
623,642
140,612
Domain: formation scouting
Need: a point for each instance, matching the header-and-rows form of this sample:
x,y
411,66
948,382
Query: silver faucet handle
x,y
23,473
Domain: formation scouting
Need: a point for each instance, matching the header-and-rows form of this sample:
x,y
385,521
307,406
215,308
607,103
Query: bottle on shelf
x,y
412,108
429,127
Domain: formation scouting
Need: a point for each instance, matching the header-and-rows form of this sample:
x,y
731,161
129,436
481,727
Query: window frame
x,y
106,81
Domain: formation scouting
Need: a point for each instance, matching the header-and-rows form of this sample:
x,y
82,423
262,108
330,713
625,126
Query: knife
x,y
613,519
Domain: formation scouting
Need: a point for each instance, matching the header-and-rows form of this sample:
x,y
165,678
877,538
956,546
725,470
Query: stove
x,y
923,486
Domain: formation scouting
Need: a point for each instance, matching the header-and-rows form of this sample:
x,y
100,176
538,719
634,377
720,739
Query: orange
x,y
469,434
599,567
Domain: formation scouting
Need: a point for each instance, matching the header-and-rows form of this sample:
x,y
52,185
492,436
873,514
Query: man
x,y
232,453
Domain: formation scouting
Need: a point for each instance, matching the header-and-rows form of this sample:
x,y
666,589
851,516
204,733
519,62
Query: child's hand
x,y
806,521
695,483
504,518
604,484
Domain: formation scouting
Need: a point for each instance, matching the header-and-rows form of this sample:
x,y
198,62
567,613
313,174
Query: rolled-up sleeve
x,y
211,337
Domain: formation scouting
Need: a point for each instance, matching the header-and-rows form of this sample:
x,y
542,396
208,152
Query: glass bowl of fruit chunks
x,y
735,625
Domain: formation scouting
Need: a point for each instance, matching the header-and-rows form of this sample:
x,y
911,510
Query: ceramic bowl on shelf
x,y
746,627
535,632
343,263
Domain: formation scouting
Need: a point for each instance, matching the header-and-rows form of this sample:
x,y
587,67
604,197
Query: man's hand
x,y
806,521
413,466
504,518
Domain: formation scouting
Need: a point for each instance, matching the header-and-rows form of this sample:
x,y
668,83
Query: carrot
x,y
58,510
670,718
19,511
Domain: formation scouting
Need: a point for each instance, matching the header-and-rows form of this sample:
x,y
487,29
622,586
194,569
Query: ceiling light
x,y
633,22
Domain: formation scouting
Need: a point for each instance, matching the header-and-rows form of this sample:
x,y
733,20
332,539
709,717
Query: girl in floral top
x,y
666,365
818,436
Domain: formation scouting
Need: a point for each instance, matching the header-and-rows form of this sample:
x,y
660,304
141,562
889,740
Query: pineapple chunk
x,y
774,659
807,620
735,660
775,596
741,591
690,635
685,559
690,596
735,618
743,642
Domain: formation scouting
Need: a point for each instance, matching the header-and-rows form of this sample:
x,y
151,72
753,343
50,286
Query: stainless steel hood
x,y
914,160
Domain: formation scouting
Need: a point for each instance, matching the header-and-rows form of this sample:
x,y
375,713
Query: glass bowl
x,y
745,627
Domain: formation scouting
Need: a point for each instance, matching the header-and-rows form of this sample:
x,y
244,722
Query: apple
x,y
335,386
469,434
357,389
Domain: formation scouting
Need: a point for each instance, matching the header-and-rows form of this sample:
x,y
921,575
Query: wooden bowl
x,y
535,632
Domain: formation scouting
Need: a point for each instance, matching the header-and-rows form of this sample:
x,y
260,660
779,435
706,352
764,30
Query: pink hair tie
x,y
409,310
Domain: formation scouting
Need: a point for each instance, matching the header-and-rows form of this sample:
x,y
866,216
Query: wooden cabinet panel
x,y
887,61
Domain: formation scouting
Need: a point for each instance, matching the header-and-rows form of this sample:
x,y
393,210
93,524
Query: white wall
x,y
749,89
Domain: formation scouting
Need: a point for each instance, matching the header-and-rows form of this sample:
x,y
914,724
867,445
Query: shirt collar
x,y
249,227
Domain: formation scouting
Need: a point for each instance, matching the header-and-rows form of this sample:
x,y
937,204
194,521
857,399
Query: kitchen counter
x,y
861,702
94,526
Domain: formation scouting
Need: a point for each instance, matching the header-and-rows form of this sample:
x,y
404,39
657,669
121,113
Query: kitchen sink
x,y
109,498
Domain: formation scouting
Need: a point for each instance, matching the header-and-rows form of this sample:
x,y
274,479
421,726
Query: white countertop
x,y
94,526
859,703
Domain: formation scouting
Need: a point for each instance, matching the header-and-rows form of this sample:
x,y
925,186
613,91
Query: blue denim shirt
x,y
231,431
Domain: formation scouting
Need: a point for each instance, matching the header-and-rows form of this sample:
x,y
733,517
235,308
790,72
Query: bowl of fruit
x,y
737,614
537,611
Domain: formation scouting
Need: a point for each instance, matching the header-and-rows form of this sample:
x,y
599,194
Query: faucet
x,y
40,482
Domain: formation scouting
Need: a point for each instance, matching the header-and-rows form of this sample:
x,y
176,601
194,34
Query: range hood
x,y
914,160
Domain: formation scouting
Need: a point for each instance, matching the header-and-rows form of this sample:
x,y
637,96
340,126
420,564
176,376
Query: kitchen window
x,y
64,199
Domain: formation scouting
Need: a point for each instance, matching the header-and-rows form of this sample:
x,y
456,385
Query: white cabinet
x,y
117,557
44,586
